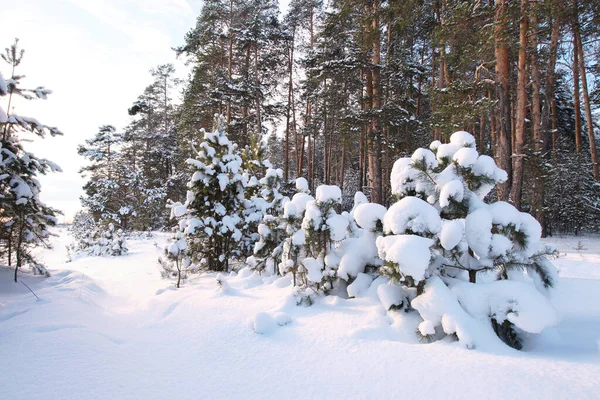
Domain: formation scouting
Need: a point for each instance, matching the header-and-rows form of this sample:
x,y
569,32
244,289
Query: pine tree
x,y
26,219
213,208
442,227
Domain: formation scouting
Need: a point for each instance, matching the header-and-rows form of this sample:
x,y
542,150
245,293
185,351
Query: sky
x,y
95,55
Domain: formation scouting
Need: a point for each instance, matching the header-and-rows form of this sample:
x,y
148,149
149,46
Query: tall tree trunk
x,y
503,143
586,100
519,155
258,96
375,137
576,96
230,59
536,120
551,73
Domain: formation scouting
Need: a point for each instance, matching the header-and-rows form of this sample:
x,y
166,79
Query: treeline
x,y
353,84
339,90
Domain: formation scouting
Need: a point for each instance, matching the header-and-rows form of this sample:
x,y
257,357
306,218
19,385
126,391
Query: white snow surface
x,y
112,328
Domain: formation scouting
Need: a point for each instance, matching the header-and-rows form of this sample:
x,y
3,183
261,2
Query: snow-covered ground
x,y
112,328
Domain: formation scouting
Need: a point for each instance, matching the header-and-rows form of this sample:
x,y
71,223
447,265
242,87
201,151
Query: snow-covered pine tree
x,y
359,250
106,197
213,208
175,261
293,251
271,230
441,236
95,239
25,219
323,228
150,151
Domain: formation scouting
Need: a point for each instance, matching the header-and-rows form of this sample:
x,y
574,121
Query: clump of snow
x,y
360,286
518,302
425,158
327,193
313,268
451,190
359,198
264,323
338,226
302,185
452,233
414,215
391,295
462,139
410,252
368,214
465,157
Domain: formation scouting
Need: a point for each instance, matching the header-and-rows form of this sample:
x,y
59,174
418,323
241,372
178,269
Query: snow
x,y
112,328
465,157
302,185
425,157
452,233
326,193
360,286
518,302
414,214
452,190
367,215
338,227
390,295
313,268
297,205
462,139
3,116
410,252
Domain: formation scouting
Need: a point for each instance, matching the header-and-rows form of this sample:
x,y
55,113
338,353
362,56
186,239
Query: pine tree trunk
x,y
375,90
258,96
536,120
551,72
576,96
588,106
503,142
230,60
519,155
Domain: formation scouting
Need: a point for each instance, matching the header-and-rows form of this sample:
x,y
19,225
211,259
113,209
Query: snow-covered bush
x,y
441,226
175,261
95,239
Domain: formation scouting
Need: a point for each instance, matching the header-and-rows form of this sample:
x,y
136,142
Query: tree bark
x,y
375,91
536,120
576,96
588,106
519,155
551,73
503,142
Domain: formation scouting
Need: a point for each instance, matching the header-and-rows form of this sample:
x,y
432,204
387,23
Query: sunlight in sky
x,y
95,56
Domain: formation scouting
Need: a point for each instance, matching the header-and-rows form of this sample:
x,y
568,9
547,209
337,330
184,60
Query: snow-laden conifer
x,y
441,227
25,218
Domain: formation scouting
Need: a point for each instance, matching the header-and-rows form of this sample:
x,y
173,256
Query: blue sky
x,y
95,55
